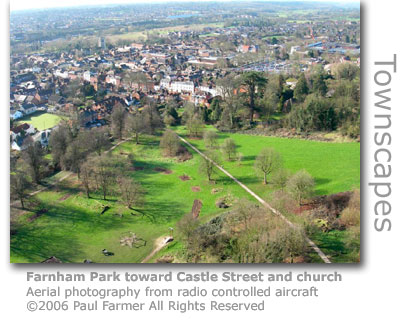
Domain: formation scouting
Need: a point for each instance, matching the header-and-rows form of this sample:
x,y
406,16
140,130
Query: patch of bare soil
x,y
292,133
305,207
64,197
184,177
183,154
298,259
163,170
196,189
197,206
165,259
331,204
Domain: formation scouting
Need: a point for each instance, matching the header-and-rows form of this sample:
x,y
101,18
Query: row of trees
x,y
320,101
147,121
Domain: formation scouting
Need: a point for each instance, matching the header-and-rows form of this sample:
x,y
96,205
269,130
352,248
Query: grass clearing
x,y
334,166
41,121
72,218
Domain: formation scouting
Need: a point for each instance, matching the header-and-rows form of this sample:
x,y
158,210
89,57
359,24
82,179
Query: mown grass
x,y
334,166
41,121
73,229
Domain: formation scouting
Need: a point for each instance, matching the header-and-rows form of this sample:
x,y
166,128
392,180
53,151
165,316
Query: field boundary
x,y
259,199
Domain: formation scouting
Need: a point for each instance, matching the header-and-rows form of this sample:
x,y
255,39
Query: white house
x,y
212,91
165,84
28,108
61,74
115,80
42,137
182,86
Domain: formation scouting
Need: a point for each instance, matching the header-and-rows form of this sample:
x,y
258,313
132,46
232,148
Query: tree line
x,y
315,100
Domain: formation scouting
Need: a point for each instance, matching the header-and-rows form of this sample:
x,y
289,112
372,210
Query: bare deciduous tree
x,y
106,168
207,165
131,192
151,119
96,139
229,148
19,186
194,126
135,125
87,174
74,156
170,143
118,121
210,139
33,157
60,138
267,161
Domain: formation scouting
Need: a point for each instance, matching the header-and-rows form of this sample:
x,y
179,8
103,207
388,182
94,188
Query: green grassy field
x,y
73,229
41,121
334,166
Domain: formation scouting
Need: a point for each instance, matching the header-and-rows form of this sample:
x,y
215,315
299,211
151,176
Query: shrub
x,y
353,242
229,148
301,185
351,215
195,126
283,202
280,178
186,226
210,139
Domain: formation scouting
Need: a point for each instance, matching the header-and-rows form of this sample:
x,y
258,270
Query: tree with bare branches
x,y
131,192
267,161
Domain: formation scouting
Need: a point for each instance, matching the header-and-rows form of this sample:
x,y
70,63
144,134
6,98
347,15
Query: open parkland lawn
x,y
73,229
334,166
41,120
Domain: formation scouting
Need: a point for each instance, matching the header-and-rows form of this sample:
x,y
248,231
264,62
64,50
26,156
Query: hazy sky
x,y
39,4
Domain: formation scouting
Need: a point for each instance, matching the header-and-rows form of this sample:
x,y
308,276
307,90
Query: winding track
x,y
264,203
159,244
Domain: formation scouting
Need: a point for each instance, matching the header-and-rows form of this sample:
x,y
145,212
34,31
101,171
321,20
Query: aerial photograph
x,y
185,132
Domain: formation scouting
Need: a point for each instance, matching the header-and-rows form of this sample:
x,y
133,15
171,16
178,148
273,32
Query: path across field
x,y
160,243
264,203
